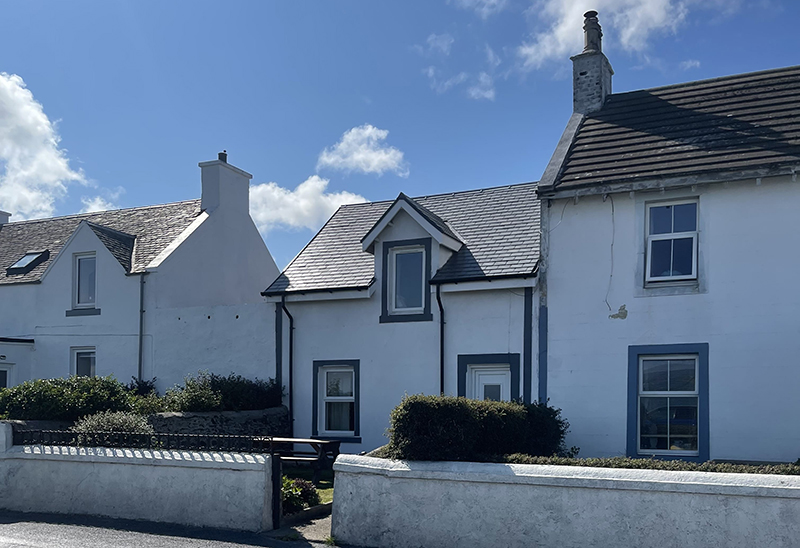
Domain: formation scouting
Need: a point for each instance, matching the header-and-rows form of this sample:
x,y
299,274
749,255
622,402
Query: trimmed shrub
x,y
297,494
148,405
114,421
195,395
63,399
141,387
211,392
450,428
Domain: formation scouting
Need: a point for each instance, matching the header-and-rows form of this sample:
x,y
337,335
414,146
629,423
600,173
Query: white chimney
x,y
224,186
591,71
4,216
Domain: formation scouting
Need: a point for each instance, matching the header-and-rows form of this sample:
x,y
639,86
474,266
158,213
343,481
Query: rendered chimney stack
x,y
591,71
224,186
4,217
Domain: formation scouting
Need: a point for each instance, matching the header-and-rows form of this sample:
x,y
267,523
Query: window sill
x,y
83,312
343,439
399,318
663,456
659,289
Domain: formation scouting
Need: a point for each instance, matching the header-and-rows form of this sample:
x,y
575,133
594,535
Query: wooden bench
x,y
320,455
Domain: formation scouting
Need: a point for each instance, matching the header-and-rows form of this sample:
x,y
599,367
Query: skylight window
x,y
28,262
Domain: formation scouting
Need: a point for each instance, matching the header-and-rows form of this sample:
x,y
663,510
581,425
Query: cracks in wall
x,y
611,275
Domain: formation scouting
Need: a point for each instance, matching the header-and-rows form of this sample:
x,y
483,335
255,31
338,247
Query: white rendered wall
x,y
221,490
398,504
746,311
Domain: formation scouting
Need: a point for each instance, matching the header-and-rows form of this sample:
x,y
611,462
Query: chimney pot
x,y
223,156
591,71
592,33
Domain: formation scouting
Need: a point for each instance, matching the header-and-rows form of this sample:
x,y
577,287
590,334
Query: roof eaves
x,y
524,275
278,293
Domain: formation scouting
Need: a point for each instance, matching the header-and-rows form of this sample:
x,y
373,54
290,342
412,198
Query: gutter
x,y
141,325
441,339
291,362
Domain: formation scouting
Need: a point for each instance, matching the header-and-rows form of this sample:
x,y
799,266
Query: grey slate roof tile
x,y
736,123
134,236
499,227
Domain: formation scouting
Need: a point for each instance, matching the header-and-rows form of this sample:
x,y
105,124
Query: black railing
x,y
173,442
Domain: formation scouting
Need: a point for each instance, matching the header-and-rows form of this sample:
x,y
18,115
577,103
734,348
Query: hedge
x,y
439,428
211,392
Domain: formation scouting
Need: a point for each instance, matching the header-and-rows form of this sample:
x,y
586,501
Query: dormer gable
x,y
438,228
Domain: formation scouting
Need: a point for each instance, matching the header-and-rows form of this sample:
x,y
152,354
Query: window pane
x,y
86,279
340,415
408,280
653,443
84,364
682,418
25,261
3,379
660,255
653,416
682,256
491,392
654,375
682,375
339,383
685,218
661,220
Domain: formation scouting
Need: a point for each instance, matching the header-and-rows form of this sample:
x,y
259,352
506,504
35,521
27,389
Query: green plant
x,y
196,394
450,428
63,399
114,421
297,494
330,540
142,387
148,405
211,392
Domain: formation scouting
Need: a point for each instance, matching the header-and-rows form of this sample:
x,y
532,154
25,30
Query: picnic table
x,y
320,455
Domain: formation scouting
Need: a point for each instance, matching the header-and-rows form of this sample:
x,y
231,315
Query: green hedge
x,y
211,392
438,428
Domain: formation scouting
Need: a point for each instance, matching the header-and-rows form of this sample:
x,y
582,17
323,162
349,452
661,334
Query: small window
x,y
489,382
85,281
28,262
671,242
83,362
5,376
668,405
407,276
337,405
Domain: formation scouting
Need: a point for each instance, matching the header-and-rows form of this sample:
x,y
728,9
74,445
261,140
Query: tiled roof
x,y
736,124
153,227
499,227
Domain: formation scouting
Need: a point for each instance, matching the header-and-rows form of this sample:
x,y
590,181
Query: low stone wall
x,y
393,504
221,490
267,422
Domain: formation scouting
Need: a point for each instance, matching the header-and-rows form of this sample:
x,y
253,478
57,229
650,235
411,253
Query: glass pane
x,y
653,443
660,258
339,383
661,220
682,256
682,417
86,279
340,415
653,416
685,218
84,364
683,444
3,379
26,260
654,375
408,280
491,392
681,375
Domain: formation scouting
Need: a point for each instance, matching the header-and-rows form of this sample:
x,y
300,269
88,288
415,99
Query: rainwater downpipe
x,y
140,369
291,362
441,338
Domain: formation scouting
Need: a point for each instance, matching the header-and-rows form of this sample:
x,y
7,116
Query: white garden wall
x,y
220,490
397,504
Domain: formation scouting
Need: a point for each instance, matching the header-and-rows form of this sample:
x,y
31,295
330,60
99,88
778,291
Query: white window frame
x,y
650,238
76,258
393,253
476,371
9,369
74,351
667,394
324,398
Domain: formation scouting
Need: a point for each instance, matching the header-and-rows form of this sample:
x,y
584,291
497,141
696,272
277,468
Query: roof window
x,y
28,262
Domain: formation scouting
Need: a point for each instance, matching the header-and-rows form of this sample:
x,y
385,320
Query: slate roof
x,y
499,227
747,124
134,236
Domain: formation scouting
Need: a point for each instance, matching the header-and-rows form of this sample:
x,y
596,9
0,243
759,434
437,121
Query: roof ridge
x,y
109,229
87,214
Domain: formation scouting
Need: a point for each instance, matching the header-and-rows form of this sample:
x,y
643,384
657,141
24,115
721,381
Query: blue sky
x,y
113,104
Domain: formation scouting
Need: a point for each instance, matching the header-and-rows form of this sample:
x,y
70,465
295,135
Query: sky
x,y
112,104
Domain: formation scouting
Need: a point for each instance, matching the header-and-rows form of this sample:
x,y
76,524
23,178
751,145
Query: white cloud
x,y
440,43
97,203
483,89
307,206
629,23
690,64
362,149
35,171
484,8
441,86
492,58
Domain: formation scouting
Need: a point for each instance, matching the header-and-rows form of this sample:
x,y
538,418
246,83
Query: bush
x,y
141,387
63,399
450,428
297,494
114,421
149,404
211,392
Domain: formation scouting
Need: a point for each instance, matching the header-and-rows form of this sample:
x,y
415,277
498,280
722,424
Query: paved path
x,y
18,530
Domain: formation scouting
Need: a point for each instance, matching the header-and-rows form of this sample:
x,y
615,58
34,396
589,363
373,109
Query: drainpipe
x,y
291,362
441,338
141,324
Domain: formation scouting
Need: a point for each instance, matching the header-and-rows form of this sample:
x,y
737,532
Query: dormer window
x,y
406,276
85,278
28,262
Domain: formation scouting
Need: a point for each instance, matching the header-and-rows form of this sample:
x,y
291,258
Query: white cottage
x,y
159,291
671,225
435,294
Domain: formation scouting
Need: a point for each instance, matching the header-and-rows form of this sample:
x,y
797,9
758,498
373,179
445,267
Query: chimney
x,y
591,71
4,216
224,186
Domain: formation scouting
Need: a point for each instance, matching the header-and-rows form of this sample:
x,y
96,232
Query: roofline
x,y
533,274
82,215
22,282
16,340
267,293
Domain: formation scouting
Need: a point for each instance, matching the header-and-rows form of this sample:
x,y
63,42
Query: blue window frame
x,y
405,283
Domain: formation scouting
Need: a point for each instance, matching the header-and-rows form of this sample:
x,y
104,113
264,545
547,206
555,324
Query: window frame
x,y
389,314
8,367
649,238
320,370
76,259
636,354
74,351
392,273
476,371
468,362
